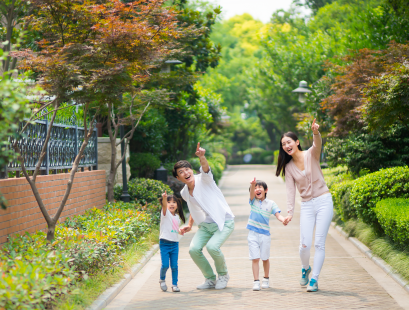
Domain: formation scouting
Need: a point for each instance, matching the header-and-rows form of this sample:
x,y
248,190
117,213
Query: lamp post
x,y
302,90
166,68
125,197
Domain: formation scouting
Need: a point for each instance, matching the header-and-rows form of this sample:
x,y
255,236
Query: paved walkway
x,y
348,279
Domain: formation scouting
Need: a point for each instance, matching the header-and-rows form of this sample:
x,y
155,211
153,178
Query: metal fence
x,y
65,141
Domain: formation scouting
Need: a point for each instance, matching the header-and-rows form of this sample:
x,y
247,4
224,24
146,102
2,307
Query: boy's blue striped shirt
x,y
259,220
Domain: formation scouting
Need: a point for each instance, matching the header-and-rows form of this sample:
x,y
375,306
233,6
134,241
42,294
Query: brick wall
x,y
23,213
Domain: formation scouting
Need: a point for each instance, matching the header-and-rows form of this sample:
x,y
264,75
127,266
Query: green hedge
x,y
342,205
143,165
143,191
393,216
34,272
371,188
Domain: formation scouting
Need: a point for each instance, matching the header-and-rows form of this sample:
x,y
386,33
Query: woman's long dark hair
x,y
179,203
283,157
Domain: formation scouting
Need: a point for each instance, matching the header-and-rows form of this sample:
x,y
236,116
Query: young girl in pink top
x,y
302,170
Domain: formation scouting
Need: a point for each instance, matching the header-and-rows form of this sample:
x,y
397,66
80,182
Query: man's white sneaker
x,y
163,285
208,284
266,283
256,285
222,282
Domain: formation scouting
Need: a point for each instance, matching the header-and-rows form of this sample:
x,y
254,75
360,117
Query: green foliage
x,y
393,216
371,188
387,98
340,194
370,151
143,191
143,165
35,272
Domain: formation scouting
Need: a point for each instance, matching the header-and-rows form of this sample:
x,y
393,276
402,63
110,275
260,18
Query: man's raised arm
x,y
200,152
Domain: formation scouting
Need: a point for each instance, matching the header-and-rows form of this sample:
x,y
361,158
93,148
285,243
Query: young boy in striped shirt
x,y
259,238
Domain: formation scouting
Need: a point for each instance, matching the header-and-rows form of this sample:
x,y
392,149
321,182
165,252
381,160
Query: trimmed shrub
x,y
143,165
143,191
393,216
341,194
371,188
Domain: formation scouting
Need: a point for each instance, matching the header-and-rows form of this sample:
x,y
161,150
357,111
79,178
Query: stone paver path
x,y
344,282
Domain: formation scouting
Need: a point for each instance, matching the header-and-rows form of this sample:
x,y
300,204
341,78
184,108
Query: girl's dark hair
x,y
180,206
283,157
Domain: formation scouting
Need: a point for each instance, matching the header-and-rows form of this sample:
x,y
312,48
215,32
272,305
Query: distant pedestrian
x,y
170,216
302,169
259,238
209,209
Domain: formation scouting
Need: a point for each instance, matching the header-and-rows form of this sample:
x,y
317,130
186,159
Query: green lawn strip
x,y
381,246
95,285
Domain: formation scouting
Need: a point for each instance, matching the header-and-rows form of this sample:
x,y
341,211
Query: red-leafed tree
x,y
101,49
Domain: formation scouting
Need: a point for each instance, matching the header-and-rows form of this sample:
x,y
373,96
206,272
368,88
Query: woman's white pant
x,y
316,212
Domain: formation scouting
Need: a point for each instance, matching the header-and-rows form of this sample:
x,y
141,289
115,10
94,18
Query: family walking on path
x,y
233,224
209,209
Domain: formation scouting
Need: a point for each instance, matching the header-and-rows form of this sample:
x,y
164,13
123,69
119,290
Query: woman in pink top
x,y
302,170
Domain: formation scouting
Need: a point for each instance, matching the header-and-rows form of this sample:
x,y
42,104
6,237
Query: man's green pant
x,y
213,238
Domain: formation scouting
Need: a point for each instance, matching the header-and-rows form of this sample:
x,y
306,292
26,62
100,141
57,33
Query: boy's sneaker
x,y
222,282
305,276
163,285
265,283
208,284
256,285
313,286
175,288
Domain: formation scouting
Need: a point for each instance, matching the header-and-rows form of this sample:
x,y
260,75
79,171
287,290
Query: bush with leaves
x,y
340,195
370,151
143,191
143,165
371,188
393,216
35,272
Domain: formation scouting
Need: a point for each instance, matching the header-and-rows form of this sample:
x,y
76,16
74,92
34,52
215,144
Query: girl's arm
x,y
164,203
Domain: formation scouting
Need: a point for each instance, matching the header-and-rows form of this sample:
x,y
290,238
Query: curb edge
x,y
377,260
110,293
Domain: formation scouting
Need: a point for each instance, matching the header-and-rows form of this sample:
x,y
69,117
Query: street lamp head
x,y
302,90
166,68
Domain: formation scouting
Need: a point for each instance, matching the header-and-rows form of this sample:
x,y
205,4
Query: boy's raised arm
x,y
200,152
252,189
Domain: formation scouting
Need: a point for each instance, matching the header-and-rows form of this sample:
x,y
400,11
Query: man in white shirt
x,y
209,209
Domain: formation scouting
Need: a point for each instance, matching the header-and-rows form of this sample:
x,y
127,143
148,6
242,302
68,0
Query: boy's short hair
x,y
263,184
180,164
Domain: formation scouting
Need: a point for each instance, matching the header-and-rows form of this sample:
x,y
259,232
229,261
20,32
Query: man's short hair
x,y
180,164
263,184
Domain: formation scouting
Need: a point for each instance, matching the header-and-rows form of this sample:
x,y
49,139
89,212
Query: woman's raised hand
x,y
315,127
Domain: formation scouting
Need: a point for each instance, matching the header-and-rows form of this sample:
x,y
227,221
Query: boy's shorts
x,y
259,245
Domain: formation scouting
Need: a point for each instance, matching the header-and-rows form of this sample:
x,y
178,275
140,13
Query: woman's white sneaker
x,y
222,282
265,283
256,285
208,284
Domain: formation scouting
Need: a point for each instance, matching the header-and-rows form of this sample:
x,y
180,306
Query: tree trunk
x,y
50,231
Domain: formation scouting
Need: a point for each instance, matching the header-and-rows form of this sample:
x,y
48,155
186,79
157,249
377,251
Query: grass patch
x,y
93,287
382,246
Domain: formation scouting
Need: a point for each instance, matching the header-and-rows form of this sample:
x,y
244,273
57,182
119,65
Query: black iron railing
x,y
65,141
